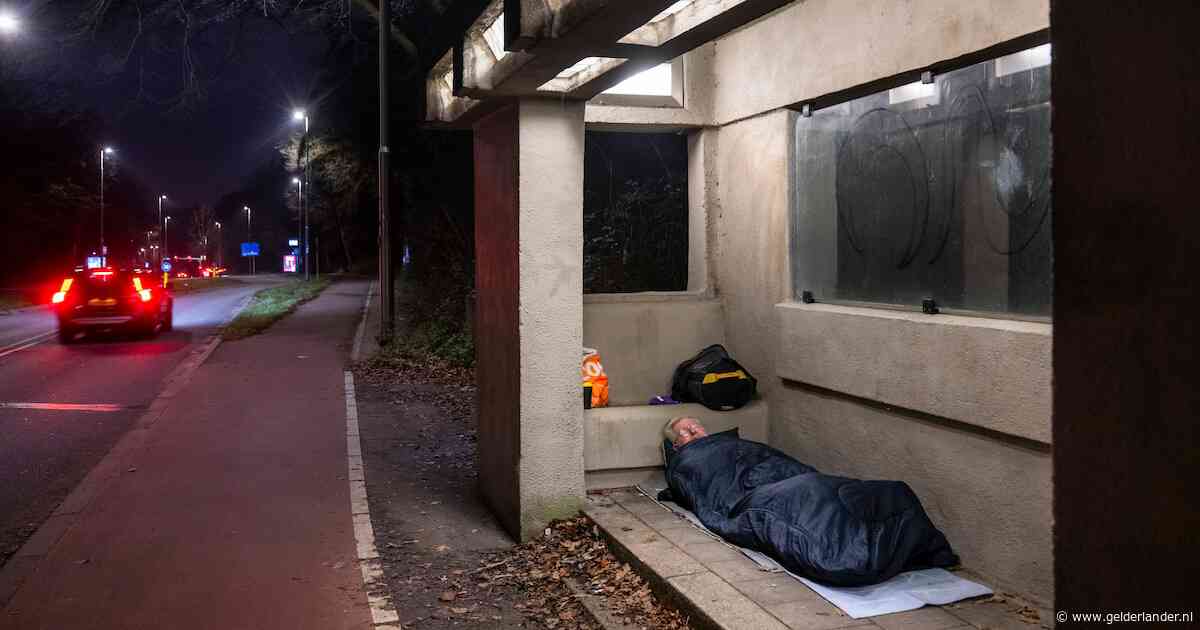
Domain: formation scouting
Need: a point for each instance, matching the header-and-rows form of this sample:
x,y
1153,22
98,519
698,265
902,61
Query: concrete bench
x,y
622,445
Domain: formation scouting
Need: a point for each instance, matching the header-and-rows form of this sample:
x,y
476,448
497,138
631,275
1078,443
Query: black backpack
x,y
713,379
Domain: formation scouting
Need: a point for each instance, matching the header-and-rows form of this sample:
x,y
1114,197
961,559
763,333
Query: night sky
x,y
196,152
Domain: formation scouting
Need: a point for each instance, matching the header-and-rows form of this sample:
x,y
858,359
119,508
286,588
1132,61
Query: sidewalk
x,y
228,505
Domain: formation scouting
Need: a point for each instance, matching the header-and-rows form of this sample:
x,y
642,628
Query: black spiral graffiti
x,y
860,163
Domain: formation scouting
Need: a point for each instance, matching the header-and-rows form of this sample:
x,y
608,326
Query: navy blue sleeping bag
x,y
833,530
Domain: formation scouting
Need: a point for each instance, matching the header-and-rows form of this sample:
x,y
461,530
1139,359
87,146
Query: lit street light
x,y
9,24
297,116
220,245
166,249
103,152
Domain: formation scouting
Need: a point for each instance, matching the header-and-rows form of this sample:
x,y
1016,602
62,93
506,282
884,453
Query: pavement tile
x,y
815,615
927,618
777,589
664,558
719,601
641,505
663,519
990,615
740,570
711,551
600,500
684,535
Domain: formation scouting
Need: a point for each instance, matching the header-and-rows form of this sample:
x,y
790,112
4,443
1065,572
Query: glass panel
x,y
930,191
635,217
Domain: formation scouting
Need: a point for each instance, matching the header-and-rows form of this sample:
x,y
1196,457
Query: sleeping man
x,y
833,530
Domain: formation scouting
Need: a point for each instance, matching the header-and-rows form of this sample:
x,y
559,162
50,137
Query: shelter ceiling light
x,y
494,36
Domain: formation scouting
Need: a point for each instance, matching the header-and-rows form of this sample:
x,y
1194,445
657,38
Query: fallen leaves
x,y
574,550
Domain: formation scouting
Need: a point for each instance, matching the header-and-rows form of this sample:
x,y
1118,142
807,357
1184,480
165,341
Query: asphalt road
x,y
63,407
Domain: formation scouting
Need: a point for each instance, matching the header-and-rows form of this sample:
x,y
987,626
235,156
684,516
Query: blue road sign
x,y
249,249
166,266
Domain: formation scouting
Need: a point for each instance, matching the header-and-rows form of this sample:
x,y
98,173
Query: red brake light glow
x,y
102,272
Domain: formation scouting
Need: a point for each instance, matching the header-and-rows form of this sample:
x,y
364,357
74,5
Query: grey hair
x,y
669,428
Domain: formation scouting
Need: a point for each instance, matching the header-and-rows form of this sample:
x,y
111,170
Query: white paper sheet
x,y
907,591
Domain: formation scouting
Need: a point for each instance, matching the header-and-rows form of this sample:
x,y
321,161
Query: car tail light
x,y
101,273
60,296
142,293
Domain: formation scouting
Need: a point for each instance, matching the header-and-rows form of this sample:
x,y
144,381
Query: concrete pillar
x,y
1126,87
529,314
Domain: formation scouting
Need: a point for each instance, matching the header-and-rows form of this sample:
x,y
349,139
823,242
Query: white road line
x,y
63,406
382,610
25,344
362,324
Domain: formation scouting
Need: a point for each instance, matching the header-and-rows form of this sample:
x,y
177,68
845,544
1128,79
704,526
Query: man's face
x,y
686,430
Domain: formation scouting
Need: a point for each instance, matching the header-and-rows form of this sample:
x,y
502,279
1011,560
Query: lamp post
x,y
103,152
297,116
161,198
166,247
220,245
300,219
249,237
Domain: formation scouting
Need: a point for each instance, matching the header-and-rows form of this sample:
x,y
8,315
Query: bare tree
x,y
202,227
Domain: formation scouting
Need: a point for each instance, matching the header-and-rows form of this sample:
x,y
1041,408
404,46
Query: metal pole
x,y
385,245
299,224
102,252
160,225
307,185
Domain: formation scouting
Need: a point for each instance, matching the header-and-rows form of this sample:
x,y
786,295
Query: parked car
x,y
132,300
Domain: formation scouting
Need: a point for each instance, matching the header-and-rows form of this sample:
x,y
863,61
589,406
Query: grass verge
x,y
270,305
191,285
12,302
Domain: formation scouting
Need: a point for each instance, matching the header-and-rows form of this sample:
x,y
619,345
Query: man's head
x,y
683,429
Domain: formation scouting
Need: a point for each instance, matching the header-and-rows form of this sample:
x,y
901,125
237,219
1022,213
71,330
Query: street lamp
x,y
166,247
9,24
103,152
297,116
220,244
249,237
161,198
300,218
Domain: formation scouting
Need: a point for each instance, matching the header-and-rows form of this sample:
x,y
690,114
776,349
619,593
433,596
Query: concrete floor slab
x,y
928,618
718,601
740,570
777,589
815,615
711,551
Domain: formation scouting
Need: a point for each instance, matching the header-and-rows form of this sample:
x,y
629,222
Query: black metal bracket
x,y
929,306
807,297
